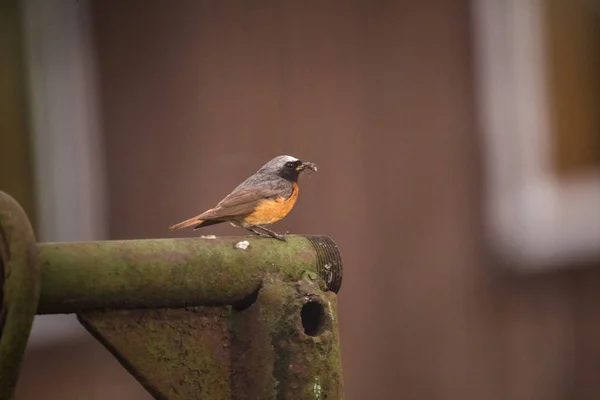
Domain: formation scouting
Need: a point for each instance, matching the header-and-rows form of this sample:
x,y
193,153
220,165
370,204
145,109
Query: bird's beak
x,y
307,165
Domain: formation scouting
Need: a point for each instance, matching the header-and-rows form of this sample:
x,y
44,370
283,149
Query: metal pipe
x,y
84,276
19,289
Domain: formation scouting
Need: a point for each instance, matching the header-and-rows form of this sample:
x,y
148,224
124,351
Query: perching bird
x,y
264,198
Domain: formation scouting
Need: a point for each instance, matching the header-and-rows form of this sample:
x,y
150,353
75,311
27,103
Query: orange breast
x,y
271,211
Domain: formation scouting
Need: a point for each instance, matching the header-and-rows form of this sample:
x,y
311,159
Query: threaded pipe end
x,y
329,261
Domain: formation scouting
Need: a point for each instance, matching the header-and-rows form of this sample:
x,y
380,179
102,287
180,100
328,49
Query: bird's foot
x,y
259,233
280,236
272,234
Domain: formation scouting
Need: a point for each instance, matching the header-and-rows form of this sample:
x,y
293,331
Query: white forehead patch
x,y
278,162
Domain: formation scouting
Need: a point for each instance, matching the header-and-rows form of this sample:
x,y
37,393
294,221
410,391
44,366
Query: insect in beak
x,y
307,165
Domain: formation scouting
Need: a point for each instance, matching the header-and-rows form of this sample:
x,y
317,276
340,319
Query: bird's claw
x,y
281,237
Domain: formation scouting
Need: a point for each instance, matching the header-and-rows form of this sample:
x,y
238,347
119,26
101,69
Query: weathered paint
x,y
20,290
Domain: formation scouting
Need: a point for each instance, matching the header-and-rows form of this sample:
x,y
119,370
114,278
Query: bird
x,y
262,199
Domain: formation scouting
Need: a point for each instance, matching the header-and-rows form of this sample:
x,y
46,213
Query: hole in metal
x,y
313,318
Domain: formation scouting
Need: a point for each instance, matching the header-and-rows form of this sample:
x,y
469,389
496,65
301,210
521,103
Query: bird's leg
x,y
272,234
257,232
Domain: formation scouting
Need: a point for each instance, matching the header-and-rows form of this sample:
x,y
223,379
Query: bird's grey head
x,y
287,167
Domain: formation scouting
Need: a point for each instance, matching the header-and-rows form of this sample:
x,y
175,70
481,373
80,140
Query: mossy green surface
x,y
151,273
176,354
288,363
217,353
20,290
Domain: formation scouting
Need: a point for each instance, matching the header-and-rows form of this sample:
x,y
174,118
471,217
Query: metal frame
x,y
189,318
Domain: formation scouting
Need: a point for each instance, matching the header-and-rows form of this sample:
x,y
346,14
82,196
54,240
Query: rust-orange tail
x,y
188,222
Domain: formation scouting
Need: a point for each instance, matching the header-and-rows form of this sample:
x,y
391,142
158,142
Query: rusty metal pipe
x,y
150,273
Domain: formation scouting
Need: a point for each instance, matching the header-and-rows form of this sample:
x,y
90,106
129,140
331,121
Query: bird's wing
x,y
240,202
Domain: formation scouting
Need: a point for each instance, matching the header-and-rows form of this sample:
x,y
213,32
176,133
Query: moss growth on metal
x,y
218,353
163,272
20,289
287,362
176,354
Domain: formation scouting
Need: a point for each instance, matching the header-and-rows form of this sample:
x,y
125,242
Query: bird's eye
x,y
290,165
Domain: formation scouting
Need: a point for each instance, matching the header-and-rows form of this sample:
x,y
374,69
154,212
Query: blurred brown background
x,y
196,95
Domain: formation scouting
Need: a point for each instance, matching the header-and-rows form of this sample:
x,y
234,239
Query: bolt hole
x,y
313,318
